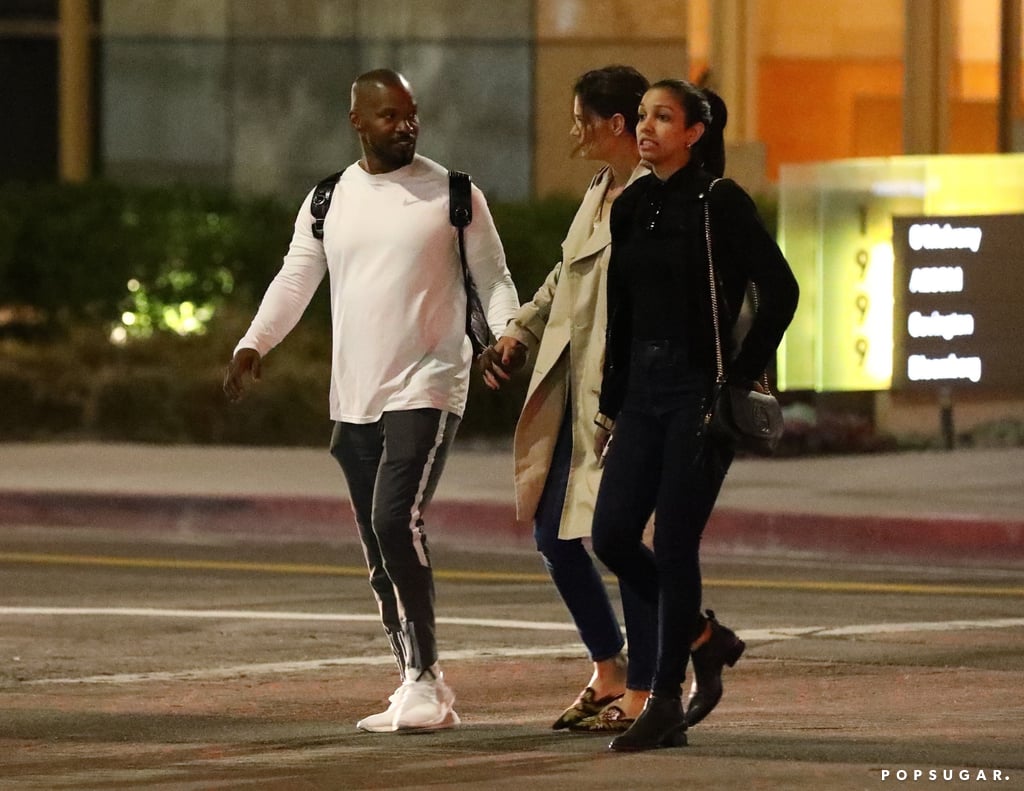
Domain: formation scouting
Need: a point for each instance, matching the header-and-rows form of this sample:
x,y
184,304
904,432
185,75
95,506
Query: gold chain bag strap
x,y
750,420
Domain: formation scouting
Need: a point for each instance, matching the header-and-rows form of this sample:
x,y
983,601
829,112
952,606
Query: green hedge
x,y
67,256
168,389
69,251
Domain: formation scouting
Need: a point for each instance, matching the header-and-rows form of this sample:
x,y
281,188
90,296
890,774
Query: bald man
x,y
401,358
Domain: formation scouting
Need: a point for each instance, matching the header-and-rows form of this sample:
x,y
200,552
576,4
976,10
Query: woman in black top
x,y
659,371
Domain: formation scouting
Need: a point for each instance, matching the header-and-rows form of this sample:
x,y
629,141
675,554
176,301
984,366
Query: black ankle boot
x,y
662,723
722,648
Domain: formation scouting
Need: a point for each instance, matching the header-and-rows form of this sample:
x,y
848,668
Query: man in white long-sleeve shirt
x,y
401,359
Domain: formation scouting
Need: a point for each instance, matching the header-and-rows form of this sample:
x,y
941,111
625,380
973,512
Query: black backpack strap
x,y
460,212
322,202
460,200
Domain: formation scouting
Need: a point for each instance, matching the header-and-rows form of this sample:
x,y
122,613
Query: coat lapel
x,y
587,240
580,232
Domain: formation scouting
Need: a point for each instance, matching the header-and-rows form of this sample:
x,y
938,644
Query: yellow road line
x,y
818,586
179,564
868,587
235,565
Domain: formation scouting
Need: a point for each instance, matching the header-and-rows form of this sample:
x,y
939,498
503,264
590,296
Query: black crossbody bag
x,y
750,420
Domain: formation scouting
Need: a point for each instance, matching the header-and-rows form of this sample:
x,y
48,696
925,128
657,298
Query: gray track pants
x,y
392,468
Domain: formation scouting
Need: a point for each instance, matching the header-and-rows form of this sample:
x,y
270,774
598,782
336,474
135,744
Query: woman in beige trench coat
x,y
556,472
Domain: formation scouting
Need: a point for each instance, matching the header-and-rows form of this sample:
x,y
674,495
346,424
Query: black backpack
x,y
460,213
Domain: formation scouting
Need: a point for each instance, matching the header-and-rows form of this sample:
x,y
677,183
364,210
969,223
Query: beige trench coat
x,y
566,319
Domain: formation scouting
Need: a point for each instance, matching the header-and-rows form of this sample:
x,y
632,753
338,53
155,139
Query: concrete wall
x,y
574,36
831,79
254,93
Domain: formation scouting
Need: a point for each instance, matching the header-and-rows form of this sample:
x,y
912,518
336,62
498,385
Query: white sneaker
x,y
416,705
425,704
383,722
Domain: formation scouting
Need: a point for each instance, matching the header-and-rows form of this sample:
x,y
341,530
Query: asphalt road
x,y
149,662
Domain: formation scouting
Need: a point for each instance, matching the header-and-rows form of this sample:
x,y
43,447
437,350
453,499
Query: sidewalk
x,y
964,505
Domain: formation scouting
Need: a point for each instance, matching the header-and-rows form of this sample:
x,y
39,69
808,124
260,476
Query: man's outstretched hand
x,y
245,365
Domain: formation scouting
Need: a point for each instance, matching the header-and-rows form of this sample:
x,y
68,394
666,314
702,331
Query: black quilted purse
x,y
749,420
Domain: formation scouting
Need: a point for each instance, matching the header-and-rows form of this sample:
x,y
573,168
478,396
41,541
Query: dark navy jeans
x,y
660,461
579,582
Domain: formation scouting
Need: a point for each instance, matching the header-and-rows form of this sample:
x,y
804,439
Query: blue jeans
x,y
580,585
660,461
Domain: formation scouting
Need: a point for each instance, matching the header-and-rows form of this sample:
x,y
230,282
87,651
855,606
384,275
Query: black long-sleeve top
x,y
658,237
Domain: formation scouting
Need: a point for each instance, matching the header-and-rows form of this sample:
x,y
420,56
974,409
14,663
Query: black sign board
x,y
958,288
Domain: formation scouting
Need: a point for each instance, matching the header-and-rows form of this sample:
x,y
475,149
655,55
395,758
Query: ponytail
x,y
711,146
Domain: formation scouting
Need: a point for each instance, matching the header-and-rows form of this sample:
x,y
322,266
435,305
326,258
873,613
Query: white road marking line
x,y
795,633
574,649
270,615
775,633
300,667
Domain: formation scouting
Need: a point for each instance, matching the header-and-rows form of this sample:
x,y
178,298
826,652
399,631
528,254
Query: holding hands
x,y
498,362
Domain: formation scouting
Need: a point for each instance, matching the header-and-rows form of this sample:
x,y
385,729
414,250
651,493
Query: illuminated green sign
x,y
836,230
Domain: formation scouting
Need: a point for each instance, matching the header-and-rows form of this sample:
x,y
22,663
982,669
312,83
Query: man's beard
x,y
398,156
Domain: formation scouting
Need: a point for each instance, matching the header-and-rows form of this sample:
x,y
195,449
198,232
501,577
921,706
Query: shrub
x,y
532,235
20,412
92,253
75,258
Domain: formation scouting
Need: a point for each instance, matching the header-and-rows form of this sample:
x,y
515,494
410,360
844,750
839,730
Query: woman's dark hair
x,y
706,106
611,90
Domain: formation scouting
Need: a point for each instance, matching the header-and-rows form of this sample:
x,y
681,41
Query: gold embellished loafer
x,y
584,706
611,719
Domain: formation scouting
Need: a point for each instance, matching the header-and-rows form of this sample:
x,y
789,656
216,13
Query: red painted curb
x,y
321,518
313,518
938,536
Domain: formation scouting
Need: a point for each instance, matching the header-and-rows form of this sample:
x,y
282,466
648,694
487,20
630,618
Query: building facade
x,y
253,94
